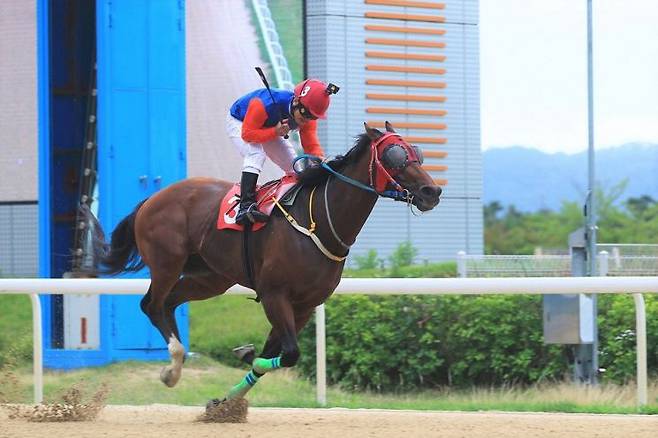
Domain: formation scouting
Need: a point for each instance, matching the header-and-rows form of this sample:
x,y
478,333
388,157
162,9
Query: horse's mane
x,y
316,175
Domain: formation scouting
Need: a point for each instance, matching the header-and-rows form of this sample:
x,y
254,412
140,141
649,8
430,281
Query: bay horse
x,y
174,233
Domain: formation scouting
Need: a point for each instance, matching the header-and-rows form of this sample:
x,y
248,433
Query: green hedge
x,y
407,342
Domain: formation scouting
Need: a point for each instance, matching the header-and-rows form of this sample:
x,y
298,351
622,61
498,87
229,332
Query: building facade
x,y
415,64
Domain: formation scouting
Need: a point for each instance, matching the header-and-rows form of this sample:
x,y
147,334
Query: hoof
x,y
245,353
226,411
169,376
212,404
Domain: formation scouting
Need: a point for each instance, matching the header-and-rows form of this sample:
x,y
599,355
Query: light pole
x,y
590,207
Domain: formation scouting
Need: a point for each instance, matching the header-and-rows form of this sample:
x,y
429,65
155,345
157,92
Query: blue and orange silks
x,y
260,114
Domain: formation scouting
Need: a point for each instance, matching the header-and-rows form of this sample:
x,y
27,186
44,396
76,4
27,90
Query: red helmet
x,y
314,95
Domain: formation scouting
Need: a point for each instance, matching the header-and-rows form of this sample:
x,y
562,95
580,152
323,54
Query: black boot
x,y
248,211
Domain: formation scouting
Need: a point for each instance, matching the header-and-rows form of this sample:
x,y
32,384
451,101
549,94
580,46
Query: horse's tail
x,y
120,254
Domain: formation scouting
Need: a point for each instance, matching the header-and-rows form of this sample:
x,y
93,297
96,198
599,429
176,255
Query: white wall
x,y
18,101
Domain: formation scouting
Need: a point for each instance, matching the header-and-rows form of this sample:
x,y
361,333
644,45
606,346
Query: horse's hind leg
x,y
186,289
162,282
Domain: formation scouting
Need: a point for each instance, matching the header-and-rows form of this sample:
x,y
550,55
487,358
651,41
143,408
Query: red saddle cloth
x,y
265,194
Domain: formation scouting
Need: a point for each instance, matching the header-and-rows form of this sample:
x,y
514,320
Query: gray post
x,y
585,354
461,264
604,259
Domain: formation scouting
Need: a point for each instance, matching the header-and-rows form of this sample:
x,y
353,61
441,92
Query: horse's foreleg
x,y
273,355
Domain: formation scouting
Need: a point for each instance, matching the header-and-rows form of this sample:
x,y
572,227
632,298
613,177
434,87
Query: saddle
x,y
284,190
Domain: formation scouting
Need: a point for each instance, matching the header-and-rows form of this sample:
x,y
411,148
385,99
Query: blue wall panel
x,y
142,142
141,148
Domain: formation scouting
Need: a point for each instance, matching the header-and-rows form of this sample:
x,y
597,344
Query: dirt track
x,y
174,421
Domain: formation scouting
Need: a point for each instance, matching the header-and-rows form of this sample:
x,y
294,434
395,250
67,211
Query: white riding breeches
x,y
279,150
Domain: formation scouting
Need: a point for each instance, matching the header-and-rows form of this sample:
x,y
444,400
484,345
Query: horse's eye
x,y
395,157
419,153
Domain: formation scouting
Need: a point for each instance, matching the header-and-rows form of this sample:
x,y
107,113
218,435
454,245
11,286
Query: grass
x,y
15,327
234,319
137,383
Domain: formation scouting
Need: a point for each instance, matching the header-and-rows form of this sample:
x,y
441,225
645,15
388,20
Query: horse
x,y
174,233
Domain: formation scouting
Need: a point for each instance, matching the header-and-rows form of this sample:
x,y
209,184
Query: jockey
x,y
258,124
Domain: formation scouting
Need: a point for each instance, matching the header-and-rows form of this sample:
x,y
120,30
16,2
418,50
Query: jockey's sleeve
x,y
309,137
252,125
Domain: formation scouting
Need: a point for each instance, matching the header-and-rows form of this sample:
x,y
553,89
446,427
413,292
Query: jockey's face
x,y
297,115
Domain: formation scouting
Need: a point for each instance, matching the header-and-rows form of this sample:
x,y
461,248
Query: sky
x,y
533,73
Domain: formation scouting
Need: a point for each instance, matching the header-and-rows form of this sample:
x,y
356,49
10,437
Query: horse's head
x,y
396,163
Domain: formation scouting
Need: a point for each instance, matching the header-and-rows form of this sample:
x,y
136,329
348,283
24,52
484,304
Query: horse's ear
x,y
373,133
389,127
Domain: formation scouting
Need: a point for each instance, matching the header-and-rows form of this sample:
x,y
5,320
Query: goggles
x,y
305,112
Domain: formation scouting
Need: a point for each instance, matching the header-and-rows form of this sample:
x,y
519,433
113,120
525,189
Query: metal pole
x,y
591,201
591,208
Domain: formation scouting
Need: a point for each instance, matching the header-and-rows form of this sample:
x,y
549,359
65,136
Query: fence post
x,y
320,356
461,264
641,349
604,259
37,348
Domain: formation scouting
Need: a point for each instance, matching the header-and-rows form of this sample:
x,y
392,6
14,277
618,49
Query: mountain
x,y
531,180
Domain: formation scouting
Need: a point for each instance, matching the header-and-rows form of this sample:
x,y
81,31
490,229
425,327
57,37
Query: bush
x,y
409,342
402,256
368,261
617,336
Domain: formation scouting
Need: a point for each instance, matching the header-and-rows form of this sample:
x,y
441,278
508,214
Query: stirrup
x,y
252,214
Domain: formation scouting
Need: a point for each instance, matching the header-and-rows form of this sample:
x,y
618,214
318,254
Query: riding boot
x,y
248,208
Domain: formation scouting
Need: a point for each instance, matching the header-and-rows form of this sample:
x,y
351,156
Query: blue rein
x,y
392,194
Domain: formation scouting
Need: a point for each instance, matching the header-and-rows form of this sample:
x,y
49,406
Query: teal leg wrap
x,y
262,366
239,390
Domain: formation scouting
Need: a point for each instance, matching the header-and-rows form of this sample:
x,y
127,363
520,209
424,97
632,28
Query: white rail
x,y
379,286
273,46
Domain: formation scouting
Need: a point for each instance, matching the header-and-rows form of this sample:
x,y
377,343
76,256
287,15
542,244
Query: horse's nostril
x,y
430,192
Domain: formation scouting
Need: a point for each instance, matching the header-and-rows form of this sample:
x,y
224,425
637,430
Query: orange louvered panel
x,y
389,74
407,3
397,83
409,125
419,112
420,30
435,154
435,167
409,56
427,140
410,97
407,69
406,17
407,43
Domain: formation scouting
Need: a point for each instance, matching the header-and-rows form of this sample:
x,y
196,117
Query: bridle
x,y
396,154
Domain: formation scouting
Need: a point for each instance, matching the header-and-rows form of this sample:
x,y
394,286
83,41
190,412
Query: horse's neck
x,y
349,205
